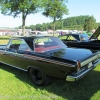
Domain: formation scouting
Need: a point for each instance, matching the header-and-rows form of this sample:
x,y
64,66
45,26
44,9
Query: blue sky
x,y
76,8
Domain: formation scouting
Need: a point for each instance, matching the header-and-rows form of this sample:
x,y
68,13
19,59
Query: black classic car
x,y
82,40
47,56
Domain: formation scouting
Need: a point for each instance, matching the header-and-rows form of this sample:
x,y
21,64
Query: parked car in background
x,y
47,56
82,40
78,37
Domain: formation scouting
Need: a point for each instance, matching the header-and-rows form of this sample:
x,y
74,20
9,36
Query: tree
x,y
55,9
90,24
24,7
32,27
38,27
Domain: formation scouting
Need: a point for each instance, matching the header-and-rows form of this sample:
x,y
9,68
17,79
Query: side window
x,y
44,44
14,44
62,37
23,46
18,44
71,38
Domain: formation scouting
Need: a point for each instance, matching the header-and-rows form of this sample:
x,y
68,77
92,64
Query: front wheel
x,y
38,77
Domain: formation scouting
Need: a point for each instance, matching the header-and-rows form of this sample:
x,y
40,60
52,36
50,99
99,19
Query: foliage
x,y
68,23
98,24
55,9
32,27
90,24
71,23
24,7
75,20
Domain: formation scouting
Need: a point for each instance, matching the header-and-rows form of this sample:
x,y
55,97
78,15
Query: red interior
x,y
41,49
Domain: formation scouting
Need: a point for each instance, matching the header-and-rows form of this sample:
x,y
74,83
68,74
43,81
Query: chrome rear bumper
x,y
75,77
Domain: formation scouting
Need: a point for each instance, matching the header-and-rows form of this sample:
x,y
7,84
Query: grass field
x,y
16,85
4,39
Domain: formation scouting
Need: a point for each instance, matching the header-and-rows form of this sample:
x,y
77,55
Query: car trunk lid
x,y
71,54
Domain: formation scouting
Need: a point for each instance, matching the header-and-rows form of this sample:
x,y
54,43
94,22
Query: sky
x,y
76,8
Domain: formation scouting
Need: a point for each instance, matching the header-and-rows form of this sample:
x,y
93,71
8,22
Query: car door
x,y
12,57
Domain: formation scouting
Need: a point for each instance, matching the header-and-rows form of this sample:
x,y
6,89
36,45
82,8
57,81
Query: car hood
x,y
70,54
95,34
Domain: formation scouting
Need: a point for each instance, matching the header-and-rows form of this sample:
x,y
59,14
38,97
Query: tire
x,y
39,77
1,64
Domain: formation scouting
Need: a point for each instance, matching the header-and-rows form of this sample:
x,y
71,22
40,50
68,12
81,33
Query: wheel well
x,y
29,68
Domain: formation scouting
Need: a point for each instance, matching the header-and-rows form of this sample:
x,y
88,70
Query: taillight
x,y
78,65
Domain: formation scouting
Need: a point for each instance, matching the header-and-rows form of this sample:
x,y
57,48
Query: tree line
x,y
82,22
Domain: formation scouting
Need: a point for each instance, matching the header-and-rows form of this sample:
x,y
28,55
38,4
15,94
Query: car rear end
x,y
83,67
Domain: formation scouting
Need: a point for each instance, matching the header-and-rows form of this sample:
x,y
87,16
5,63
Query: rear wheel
x,y
39,77
1,64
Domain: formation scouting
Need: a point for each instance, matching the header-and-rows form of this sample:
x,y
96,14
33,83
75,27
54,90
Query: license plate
x,y
90,65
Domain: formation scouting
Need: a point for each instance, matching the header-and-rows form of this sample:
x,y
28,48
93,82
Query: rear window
x,y
47,43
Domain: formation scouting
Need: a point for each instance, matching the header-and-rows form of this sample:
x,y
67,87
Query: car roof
x,y
30,37
77,36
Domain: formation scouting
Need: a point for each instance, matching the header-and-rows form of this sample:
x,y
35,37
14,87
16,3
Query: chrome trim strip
x,y
13,66
50,61
90,59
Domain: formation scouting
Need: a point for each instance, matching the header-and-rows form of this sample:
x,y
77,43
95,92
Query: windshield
x,y
47,43
84,37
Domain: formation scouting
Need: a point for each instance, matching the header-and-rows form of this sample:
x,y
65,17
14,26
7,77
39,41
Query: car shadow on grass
x,y
83,89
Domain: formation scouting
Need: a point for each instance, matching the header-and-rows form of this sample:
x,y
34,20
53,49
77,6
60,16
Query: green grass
x,y
4,39
16,85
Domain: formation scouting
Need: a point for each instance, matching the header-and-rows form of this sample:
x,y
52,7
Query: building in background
x,y
12,31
